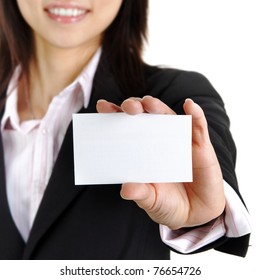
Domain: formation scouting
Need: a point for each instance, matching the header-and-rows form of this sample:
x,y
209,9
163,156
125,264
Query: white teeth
x,y
67,12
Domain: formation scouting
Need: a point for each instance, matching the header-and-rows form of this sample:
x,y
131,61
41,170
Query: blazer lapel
x,y
61,191
11,242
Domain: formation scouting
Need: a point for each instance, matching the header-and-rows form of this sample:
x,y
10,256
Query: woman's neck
x,y
51,71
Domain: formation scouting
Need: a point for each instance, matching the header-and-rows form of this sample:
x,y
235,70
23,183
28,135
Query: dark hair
x,y
122,43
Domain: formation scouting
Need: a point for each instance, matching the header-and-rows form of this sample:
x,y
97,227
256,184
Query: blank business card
x,y
146,148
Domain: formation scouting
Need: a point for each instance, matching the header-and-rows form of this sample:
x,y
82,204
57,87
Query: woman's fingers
x,y
104,106
155,106
134,106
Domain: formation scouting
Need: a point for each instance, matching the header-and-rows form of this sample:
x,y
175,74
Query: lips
x,y
66,13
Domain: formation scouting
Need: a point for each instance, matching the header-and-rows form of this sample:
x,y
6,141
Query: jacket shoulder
x,y
177,85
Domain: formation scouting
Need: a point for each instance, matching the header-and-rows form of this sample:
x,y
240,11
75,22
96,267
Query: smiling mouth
x,y
70,12
66,15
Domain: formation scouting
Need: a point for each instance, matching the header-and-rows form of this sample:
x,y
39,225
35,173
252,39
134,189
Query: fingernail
x,y
187,99
100,100
135,98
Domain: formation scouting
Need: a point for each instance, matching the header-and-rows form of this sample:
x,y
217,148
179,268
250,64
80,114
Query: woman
x,y
62,57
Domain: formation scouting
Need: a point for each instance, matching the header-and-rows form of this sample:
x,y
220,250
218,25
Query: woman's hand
x,y
178,205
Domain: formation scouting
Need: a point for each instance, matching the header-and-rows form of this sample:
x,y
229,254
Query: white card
x,y
118,148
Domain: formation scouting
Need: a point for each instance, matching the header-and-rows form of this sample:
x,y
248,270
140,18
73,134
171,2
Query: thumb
x,y
143,194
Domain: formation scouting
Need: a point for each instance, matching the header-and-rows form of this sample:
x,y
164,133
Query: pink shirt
x,y
31,149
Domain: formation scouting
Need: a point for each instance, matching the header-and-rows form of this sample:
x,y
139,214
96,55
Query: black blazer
x,y
94,222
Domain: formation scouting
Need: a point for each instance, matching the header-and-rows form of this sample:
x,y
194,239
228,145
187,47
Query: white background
x,y
220,39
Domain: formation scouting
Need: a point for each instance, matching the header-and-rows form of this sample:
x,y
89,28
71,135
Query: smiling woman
x,y
22,22
60,57
69,23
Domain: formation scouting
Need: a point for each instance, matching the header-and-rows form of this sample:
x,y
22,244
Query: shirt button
x,y
44,131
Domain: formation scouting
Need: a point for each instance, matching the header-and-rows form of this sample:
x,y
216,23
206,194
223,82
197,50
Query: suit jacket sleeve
x,y
193,85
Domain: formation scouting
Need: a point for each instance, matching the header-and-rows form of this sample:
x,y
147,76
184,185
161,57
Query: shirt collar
x,y
85,80
87,76
11,101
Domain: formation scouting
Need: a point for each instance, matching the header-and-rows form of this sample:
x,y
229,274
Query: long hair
x,y
122,43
